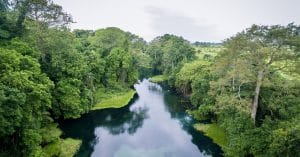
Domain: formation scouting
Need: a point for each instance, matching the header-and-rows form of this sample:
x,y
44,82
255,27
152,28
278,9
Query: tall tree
x,y
120,68
168,52
44,12
106,39
255,54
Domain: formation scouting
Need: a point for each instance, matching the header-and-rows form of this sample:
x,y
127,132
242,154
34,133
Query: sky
x,y
195,20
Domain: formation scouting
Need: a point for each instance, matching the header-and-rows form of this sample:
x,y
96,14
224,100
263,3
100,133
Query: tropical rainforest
x,y
248,86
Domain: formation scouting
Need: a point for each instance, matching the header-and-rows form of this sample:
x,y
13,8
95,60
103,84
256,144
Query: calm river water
x,y
154,124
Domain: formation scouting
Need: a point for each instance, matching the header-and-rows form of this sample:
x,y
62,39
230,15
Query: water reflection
x,y
128,121
153,125
115,121
176,106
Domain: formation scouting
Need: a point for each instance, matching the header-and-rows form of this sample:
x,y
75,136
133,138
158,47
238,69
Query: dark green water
x,y
154,124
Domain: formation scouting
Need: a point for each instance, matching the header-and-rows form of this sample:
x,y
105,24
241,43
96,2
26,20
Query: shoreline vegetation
x,y
63,148
158,78
214,132
115,100
70,147
249,84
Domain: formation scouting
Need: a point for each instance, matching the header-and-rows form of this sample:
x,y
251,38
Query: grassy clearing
x,y
158,78
208,51
113,100
214,132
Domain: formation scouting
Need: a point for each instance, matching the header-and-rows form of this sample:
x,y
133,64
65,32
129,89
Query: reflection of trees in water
x,y
126,122
154,87
176,106
116,121
204,143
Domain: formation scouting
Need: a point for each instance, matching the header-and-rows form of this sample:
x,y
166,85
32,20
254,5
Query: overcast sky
x,y
195,20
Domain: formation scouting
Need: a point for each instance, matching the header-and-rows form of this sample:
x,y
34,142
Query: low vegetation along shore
x,y
214,132
115,100
158,78
64,148
249,84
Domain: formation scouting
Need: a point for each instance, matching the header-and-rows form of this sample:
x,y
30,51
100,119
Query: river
x,y
154,124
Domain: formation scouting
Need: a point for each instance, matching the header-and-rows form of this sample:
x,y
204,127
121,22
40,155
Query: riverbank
x,y
114,100
62,148
68,147
124,131
214,132
158,78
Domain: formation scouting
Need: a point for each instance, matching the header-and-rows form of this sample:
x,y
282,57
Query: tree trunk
x,y
239,91
254,105
233,83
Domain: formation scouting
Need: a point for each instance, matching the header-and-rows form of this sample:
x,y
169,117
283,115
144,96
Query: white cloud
x,y
203,20
167,21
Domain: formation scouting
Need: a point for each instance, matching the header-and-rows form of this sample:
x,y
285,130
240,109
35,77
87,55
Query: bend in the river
x,y
153,125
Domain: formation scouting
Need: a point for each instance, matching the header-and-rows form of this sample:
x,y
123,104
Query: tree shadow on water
x,y
115,121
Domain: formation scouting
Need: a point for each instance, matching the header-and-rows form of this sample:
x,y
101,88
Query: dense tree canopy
x,y
49,72
255,55
25,100
169,52
250,88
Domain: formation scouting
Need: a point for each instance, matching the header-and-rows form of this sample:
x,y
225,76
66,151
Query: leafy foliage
x,y
169,52
25,100
48,72
253,69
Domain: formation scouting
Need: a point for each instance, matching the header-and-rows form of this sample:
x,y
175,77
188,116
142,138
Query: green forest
x,y
247,87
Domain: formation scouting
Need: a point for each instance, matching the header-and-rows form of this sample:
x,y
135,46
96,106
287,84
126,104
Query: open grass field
x,y
208,51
